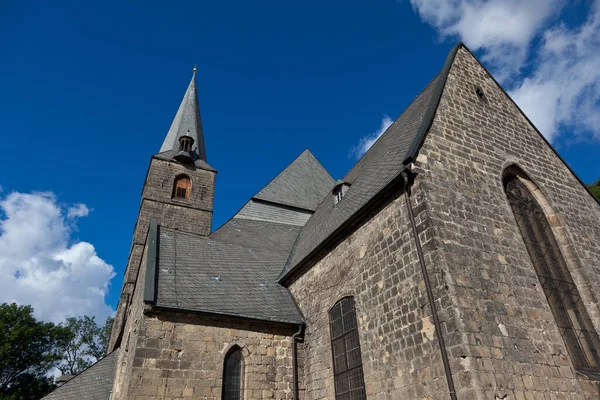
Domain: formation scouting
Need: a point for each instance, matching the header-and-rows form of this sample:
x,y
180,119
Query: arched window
x,y
345,348
567,307
182,187
232,375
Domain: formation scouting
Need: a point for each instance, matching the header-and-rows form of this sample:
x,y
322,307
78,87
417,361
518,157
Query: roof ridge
x,y
345,213
279,191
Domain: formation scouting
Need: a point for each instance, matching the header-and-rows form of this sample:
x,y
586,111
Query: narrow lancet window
x,y
572,319
182,188
345,347
232,375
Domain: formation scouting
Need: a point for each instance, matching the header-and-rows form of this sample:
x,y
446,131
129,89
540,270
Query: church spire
x,y
185,129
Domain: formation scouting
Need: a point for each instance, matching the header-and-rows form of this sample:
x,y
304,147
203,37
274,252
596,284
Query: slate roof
x,y
233,271
95,383
187,122
301,184
382,163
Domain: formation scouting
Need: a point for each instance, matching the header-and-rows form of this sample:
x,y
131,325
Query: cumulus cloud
x,y
562,88
43,266
501,29
366,142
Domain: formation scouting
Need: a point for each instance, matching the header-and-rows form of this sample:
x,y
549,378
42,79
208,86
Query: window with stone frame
x,y
182,187
570,315
345,350
233,375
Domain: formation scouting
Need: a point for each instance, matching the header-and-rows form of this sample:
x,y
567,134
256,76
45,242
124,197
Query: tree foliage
x,y
27,352
84,342
30,348
595,188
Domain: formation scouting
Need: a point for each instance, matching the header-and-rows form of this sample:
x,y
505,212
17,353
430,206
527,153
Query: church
x,y
459,258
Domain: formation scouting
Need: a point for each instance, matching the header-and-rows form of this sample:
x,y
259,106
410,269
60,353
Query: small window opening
x,y
479,92
185,143
338,195
339,191
182,188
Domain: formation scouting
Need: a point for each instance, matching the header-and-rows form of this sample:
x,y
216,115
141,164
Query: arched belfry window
x,y
345,348
232,375
182,187
566,304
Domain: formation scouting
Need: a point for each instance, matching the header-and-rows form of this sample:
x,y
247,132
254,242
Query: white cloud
x,y
502,29
366,142
563,88
42,266
77,211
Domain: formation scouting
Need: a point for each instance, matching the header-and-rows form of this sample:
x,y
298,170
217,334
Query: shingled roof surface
x,y
379,166
95,383
233,271
302,184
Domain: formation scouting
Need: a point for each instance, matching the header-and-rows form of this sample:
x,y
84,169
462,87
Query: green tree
x,y
595,188
27,351
82,344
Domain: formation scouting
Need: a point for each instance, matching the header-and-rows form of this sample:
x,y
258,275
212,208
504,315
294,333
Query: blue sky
x,y
88,92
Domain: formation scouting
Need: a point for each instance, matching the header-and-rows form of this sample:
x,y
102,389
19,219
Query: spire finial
x,y
195,69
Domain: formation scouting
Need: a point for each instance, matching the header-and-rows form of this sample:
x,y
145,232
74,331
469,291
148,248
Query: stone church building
x,y
458,259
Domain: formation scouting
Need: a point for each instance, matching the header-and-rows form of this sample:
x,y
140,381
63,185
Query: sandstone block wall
x,y
182,356
161,176
506,339
193,215
131,317
378,265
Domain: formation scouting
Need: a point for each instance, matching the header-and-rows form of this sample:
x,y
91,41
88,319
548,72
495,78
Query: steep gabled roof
x,y
95,383
391,154
232,272
381,164
301,184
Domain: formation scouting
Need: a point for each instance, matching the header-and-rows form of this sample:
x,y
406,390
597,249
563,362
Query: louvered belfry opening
x,y
345,345
186,143
232,375
571,317
182,187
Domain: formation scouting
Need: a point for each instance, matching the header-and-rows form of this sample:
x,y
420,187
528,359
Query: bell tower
x,y
178,193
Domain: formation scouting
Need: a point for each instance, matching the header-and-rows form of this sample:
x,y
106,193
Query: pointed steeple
x,y
185,129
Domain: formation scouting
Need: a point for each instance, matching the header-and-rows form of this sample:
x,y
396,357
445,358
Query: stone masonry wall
x,y
182,356
506,341
378,265
160,179
193,215
131,317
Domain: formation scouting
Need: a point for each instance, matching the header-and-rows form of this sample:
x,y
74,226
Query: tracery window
x,y
572,319
182,187
232,375
345,348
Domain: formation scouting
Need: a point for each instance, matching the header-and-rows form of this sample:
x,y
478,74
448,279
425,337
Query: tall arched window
x,y
345,348
232,375
570,315
182,187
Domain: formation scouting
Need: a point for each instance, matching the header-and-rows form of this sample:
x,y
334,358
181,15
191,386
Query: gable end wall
x,y
509,344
